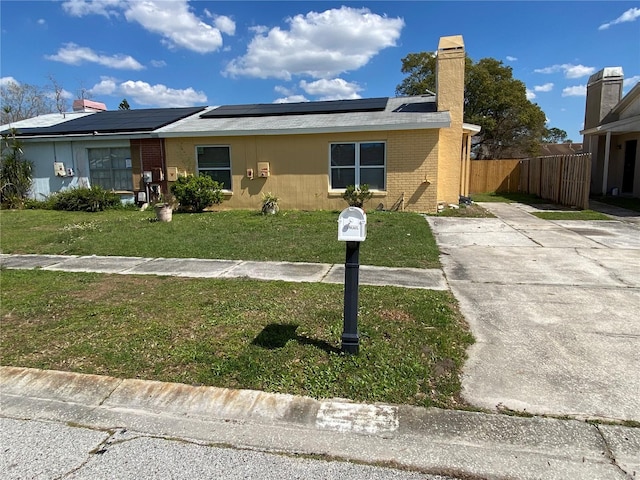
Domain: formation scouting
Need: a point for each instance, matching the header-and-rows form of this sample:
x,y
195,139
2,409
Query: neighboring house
x,y
611,134
567,148
95,147
413,152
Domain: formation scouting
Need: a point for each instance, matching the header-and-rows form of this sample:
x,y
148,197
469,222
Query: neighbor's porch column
x,y
605,171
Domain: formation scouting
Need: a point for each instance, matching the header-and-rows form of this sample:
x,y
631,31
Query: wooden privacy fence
x,y
494,176
562,179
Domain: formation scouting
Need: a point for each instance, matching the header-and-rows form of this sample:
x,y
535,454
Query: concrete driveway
x,y
554,307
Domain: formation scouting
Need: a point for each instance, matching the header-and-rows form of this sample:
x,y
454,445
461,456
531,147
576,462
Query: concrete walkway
x,y
201,268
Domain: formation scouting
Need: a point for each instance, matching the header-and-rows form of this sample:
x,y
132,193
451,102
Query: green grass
x,y
468,211
394,239
630,203
574,215
508,198
271,336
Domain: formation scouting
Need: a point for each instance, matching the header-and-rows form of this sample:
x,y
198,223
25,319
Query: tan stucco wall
x,y
450,97
300,168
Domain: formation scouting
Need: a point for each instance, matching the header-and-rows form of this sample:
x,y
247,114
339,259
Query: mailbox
x,y
352,225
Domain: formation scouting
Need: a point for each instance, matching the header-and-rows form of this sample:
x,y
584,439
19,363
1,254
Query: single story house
x,y
413,152
611,134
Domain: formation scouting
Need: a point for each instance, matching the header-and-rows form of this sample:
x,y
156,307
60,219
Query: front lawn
x,y
271,336
394,239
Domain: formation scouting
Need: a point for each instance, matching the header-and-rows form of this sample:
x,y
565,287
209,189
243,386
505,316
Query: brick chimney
x,y
604,92
82,105
450,64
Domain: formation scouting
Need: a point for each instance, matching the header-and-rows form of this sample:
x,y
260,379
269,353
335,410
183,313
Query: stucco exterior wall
x,y
300,168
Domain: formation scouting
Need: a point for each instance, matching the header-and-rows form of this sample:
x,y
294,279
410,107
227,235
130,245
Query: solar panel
x,y
303,108
418,107
114,121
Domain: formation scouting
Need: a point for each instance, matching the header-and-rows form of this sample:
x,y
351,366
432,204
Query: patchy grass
x,y
573,215
508,198
394,239
271,336
630,203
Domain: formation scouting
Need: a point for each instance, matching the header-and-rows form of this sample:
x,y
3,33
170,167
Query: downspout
x,y
605,172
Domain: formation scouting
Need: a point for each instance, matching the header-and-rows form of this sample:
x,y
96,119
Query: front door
x,y
628,172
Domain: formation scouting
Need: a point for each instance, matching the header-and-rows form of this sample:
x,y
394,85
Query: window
x,y
215,161
356,164
110,168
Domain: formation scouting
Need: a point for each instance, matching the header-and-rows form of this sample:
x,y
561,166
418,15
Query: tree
x,y
554,135
124,105
21,100
59,97
16,173
511,124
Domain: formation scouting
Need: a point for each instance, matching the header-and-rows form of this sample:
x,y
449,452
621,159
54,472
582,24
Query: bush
x,y
356,197
83,199
197,193
15,173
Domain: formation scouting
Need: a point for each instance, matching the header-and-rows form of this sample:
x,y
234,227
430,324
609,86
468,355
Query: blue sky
x,y
183,53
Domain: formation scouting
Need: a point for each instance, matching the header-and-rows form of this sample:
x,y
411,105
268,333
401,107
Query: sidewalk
x,y
202,268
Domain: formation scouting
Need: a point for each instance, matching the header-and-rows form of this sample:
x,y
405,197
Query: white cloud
x,y
42,21
160,95
530,94
67,95
547,87
576,91
319,45
628,83
174,20
628,16
73,54
158,63
177,24
570,71
334,89
225,24
107,86
80,8
291,99
4,81
511,59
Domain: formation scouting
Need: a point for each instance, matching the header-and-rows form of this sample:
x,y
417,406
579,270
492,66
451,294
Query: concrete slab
x,y
624,444
441,225
32,261
552,349
94,263
286,271
432,279
184,267
623,264
612,234
518,266
560,238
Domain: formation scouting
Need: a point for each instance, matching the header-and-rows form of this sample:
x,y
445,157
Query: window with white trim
x,y
110,168
357,163
215,161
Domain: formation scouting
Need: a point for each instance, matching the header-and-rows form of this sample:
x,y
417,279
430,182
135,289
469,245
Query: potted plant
x,y
356,196
163,209
269,203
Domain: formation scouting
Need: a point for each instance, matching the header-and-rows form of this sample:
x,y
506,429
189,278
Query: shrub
x,y
356,197
197,193
83,199
15,173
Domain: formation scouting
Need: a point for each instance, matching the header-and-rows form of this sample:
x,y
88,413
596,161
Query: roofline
x,y
627,99
617,126
471,128
306,131
84,136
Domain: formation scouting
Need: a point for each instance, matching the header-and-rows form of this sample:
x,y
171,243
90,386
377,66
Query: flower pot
x,y
164,213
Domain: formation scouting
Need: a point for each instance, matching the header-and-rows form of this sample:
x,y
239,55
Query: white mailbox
x,y
352,225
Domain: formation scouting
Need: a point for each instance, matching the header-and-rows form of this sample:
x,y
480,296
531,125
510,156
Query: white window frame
x,y
227,188
111,170
357,165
